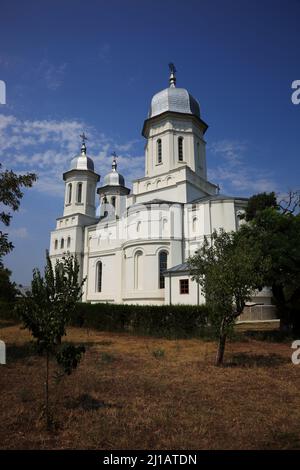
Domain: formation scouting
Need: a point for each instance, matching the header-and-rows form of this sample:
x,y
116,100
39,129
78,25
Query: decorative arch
x,y
194,224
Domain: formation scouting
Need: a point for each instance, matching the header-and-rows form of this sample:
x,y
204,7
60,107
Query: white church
x,y
133,248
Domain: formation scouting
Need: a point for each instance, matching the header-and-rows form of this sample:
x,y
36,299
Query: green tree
x,y
224,267
275,235
47,310
11,194
8,289
259,202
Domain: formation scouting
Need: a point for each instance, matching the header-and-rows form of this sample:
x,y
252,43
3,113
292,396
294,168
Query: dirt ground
x,y
133,392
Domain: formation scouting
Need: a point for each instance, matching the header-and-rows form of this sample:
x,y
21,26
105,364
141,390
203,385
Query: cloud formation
x,y
231,170
47,146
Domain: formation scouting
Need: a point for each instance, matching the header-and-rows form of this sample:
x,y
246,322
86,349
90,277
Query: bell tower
x,y
80,184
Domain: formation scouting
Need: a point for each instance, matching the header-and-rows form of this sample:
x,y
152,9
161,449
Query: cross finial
x,y
83,146
172,78
83,137
114,162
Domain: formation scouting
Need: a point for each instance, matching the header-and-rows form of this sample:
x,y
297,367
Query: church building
x,y
133,248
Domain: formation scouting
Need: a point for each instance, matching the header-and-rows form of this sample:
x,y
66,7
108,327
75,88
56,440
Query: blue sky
x,y
94,66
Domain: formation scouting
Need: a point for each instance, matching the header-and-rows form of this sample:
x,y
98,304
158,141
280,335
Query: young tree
x,y
224,267
47,310
11,194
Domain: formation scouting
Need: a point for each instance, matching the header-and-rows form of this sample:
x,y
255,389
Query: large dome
x,y
113,178
82,161
177,100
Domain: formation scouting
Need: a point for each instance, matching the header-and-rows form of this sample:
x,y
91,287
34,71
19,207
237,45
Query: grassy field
x,y
134,392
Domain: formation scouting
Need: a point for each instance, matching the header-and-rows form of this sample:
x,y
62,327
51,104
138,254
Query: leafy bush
x,y
162,320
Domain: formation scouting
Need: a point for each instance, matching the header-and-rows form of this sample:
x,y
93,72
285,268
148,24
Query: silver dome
x,y
82,161
177,100
113,178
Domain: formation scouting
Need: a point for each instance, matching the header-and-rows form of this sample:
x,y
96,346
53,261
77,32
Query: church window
x,y
180,149
138,259
159,151
79,192
184,286
62,243
69,193
99,277
113,201
68,242
163,261
55,244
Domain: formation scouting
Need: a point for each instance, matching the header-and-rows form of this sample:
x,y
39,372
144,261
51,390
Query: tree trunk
x,y
48,421
221,348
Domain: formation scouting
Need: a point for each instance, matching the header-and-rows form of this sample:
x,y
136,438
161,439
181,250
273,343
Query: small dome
x,y
177,100
82,161
113,178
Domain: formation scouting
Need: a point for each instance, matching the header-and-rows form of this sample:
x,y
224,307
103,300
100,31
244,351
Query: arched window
x,y
68,242
62,243
69,193
159,151
79,192
163,262
55,244
138,226
180,149
113,201
138,269
99,276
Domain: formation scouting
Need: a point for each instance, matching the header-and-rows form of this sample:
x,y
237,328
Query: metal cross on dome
x,y
114,162
83,137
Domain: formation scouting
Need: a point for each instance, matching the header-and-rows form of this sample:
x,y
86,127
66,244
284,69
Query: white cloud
x,y
46,147
53,75
20,232
232,172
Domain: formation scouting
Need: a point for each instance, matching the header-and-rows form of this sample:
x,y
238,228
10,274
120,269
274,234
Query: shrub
x,y
162,320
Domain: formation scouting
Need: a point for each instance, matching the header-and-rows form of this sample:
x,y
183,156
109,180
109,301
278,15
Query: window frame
x,y
184,286
162,266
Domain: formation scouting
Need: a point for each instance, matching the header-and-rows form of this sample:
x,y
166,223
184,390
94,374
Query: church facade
x,y
133,248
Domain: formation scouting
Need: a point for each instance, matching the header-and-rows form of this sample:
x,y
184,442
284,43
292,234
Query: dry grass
x,y
126,396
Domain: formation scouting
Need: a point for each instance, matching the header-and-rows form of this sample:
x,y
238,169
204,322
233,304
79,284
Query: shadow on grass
x,y
273,336
87,403
17,352
257,360
7,323
21,351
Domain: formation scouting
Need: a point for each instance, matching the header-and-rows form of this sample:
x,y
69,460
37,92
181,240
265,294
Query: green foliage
x,y
258,203
69,356
158,353
164,320
8,289
10,196
275,236
224,267
47,310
